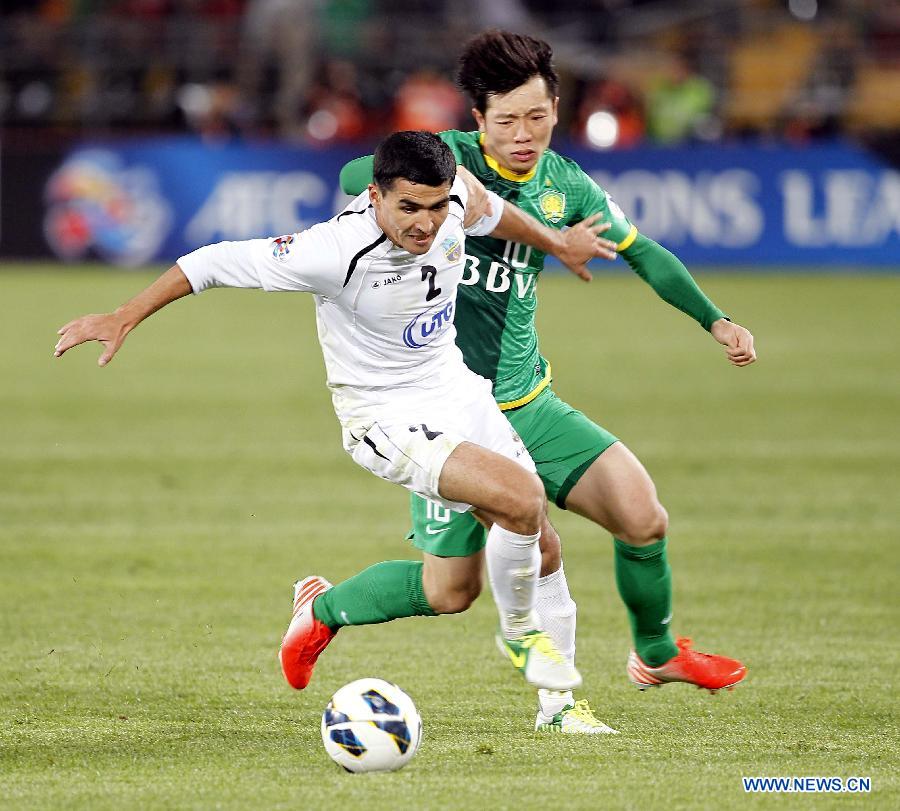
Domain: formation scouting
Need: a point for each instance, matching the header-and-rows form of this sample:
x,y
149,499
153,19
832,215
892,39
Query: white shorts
x,y
411,449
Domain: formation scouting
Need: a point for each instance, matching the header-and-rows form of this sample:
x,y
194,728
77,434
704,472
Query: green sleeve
x,y
357,175
594,200
665,273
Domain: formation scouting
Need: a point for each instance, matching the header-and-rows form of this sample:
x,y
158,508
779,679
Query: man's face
x,y
518,125
410,213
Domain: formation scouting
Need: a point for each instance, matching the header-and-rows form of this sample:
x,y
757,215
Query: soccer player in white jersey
x,y
384,275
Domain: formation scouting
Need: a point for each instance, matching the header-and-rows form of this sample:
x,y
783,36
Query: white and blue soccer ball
x,y
371,725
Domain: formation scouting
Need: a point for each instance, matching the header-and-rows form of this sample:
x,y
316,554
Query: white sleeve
x,y
308,262
459,198
488,222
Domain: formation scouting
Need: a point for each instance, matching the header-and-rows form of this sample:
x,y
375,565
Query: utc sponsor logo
x,y
427,325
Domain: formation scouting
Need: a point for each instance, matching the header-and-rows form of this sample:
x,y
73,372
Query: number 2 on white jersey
x,y
429,272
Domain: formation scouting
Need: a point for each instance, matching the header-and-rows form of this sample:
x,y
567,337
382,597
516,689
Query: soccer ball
x,y
371,725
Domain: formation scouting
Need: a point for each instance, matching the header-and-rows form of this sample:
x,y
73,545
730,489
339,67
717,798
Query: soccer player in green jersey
x,y
584,468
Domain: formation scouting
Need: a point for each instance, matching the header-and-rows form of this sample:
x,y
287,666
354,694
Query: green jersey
x,y
497,299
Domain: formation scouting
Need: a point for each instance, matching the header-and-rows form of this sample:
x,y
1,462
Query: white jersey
x,y
384,315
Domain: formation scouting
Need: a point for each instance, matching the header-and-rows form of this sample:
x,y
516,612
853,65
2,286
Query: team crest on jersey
x,y
452,249
281,247
553,205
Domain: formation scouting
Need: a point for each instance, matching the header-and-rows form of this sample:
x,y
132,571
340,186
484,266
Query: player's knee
x,y
646,525
659,525
525,505
456,599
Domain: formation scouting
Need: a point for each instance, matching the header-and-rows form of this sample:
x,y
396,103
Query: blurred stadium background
x,y
324,71
154,513
736,132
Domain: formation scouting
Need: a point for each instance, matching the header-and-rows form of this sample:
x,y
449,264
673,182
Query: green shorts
x,y
563,443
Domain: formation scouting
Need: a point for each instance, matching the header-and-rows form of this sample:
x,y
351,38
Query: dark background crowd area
x,y
633,72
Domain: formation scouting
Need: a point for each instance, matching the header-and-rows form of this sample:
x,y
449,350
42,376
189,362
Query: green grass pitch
x,y
153,515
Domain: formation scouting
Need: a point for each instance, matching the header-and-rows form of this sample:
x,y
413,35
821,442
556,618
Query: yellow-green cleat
x,y
537,658
573,719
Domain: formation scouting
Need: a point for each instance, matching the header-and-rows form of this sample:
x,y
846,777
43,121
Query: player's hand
x,y
479,204
582,242
737,340
109,329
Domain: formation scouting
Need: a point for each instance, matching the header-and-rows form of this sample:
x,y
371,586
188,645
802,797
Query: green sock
x,y
645,585
383,592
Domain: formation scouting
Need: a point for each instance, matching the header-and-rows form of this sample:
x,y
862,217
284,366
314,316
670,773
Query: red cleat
x,y
703,669
306,637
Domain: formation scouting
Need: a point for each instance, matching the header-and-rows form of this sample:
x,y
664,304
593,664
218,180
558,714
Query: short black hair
x,y
500,61
417,156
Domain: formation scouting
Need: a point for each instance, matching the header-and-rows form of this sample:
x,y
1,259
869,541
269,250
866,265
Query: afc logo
x,y
281,247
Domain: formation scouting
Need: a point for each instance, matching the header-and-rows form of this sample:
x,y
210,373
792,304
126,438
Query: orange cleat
x,y
706,670
306,637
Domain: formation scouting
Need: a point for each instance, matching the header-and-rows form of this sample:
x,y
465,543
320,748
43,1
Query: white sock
x,y
553,701
513,564
556,612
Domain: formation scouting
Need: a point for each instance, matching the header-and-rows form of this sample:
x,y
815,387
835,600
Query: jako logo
x,y
94,202
426,326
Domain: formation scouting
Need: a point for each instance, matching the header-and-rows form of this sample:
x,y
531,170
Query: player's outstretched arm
x,y
668,276
111,329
